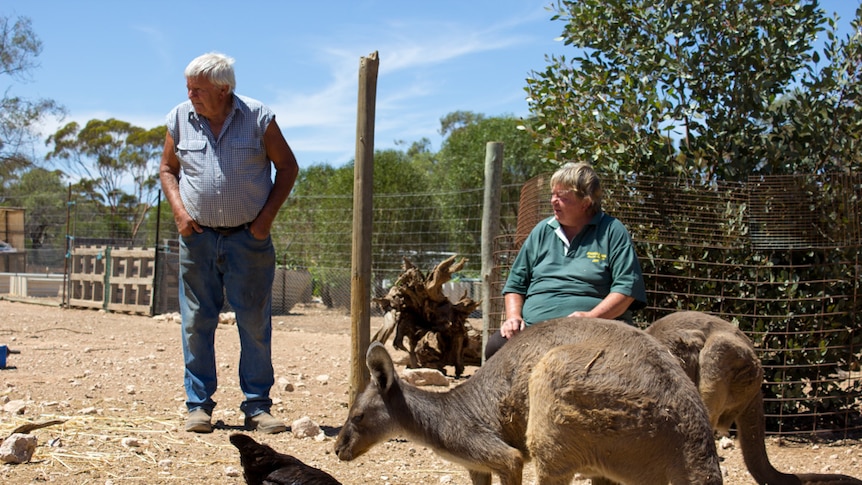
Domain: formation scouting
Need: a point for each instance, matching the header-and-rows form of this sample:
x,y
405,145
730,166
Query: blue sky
x,y
125,59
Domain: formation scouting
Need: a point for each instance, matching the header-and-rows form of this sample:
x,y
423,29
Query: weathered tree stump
x,y
416,308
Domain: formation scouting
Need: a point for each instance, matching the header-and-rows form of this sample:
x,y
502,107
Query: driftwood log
x,y
437,330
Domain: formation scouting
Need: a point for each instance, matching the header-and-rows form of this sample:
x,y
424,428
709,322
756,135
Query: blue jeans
x,y
237,266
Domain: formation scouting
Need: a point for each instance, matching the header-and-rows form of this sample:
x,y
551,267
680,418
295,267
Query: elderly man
x,y
216,172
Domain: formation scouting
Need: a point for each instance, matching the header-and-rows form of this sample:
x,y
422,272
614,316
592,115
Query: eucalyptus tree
x,y
20,118
707,94
117,164
817,128
42,194
459,172
715,88
315,226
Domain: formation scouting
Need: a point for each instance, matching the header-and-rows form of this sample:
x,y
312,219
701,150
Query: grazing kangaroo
x,y
577,395
720,359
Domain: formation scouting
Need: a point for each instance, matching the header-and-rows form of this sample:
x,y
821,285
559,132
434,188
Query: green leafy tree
x,y
314,229
404,228
459,171
691,87
461,160
322,202
319,204
421,157
43,196
19,117
817,128
707,94
118,163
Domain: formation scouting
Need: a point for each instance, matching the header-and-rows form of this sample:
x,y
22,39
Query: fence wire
x,y
778,256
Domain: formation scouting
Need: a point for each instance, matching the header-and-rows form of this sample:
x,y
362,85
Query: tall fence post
x,y
157,272
68,248
106,286
363,171
490,229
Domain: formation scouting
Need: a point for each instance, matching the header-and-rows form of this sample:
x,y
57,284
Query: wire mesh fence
x,y
312,236
779,256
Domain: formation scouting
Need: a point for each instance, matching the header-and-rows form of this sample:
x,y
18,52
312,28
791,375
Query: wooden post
x,y
157,283
68,255
363,171
490,229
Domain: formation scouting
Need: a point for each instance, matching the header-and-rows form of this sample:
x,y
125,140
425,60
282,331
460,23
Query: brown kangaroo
x,y
577,395
720,359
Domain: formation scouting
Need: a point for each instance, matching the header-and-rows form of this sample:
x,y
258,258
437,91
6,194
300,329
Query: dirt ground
x,y
116,382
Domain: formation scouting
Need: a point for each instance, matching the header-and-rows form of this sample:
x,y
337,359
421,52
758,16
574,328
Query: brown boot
x,y
199,421
265,423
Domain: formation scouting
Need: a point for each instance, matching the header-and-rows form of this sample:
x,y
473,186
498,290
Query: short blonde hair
x,y
580,178
215,67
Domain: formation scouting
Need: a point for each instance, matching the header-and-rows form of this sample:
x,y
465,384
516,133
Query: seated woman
x,y
579,263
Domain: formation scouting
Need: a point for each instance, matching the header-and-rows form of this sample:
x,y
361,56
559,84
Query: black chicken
x,y
262,465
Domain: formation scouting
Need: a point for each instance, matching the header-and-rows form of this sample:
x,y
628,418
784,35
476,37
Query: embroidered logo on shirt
x,y
596,256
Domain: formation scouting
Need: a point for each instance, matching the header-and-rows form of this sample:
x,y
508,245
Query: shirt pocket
x,y
192,154
247,158
185,146
242,149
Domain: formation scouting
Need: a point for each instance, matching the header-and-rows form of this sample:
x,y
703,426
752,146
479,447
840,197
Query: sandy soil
x,y
115,381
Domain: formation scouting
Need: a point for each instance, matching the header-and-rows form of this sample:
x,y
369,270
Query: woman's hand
x,y
512,326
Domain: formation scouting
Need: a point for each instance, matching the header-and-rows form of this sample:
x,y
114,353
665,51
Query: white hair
x,y
215,67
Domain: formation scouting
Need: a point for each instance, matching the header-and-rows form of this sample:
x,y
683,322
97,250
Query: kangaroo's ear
x,y
380,364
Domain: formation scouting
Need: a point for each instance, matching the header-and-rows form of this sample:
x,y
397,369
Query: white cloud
x,y
412,58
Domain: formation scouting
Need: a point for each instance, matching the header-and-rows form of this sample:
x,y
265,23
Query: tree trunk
x,y
437,330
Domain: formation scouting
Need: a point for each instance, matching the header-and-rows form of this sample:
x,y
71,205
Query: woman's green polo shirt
x,y
556,282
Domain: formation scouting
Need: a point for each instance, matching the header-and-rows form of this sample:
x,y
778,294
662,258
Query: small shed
x,y
13,255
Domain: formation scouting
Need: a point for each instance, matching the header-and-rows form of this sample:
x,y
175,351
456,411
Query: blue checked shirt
x,y
225,177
